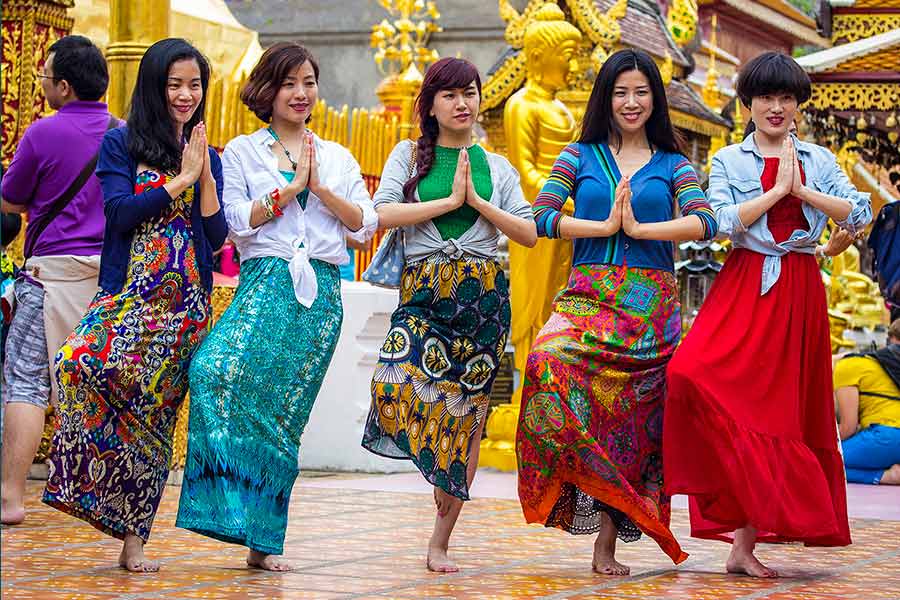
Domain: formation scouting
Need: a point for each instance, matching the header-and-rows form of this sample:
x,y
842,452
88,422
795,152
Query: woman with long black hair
x,y
590,427
432,383
123,371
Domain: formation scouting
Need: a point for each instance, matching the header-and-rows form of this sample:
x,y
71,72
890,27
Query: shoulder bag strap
x,y
66,197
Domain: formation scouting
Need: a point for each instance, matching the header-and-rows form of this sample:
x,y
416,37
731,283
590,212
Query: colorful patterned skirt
x,y
122,375
253,385
433,379
590,427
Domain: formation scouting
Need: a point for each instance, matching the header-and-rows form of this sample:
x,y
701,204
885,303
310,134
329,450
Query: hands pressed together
x,y
463,190
195,158
788,180
621,217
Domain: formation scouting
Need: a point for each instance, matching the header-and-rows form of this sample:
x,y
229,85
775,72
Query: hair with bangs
x,y
273,68
446,74
773,73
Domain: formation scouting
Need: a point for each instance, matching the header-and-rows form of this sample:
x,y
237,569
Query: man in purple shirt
x,y
59,278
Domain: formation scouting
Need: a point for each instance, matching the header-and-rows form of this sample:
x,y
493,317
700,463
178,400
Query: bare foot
x,y
439,562
11,514
742,563
268,562
132,557
890,477
605,562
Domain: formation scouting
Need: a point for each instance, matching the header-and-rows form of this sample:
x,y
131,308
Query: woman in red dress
x,y
749,429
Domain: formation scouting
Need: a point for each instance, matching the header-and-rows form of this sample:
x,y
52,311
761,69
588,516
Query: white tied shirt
x,y
250,171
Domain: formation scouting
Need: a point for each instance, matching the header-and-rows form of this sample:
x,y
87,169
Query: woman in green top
x,y
433,379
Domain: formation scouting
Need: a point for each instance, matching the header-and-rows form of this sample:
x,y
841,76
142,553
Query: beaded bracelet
x,y
275,196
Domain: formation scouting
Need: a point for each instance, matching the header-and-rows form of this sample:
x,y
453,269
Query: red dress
x,y
749,430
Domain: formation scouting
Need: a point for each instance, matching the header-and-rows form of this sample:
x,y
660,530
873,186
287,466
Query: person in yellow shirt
x,y
867,388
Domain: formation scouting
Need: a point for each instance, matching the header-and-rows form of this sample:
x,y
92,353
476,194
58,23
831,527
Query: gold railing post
x,y
134,25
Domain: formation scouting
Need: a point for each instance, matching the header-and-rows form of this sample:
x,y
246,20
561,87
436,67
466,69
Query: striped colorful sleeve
x,y
691,199
547,206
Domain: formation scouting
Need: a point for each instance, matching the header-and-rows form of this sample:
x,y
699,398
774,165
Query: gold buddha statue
x,y
537,128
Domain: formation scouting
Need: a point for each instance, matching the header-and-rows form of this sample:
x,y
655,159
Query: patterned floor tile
x,y
356,545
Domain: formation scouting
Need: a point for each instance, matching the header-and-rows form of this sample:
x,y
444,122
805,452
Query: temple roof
x,y
826,60
777,14
643,27
683,98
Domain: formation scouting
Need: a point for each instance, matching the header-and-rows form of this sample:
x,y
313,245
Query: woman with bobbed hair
x,y
749,428
290,199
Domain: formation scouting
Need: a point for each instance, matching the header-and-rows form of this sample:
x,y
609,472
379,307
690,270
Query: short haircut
x,y
773,73
273,67
77,60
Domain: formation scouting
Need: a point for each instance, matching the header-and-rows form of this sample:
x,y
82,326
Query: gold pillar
x,y
133,26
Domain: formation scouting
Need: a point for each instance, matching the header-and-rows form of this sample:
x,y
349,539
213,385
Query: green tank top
x,y
302,196
438,183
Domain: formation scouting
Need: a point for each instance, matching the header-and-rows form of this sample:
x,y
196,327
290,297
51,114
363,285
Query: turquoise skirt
x,y
253,383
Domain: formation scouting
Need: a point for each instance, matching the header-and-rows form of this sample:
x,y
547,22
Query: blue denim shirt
x,y
735,178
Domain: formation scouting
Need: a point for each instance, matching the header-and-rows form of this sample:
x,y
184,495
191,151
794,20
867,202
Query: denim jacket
x,y
735,178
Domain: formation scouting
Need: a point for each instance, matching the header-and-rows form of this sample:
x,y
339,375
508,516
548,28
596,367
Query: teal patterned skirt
x,y
253,383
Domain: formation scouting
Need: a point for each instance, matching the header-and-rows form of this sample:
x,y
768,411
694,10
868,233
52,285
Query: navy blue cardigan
x,y
125,211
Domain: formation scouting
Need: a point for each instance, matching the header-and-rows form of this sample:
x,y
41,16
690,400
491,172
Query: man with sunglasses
x,y
51,178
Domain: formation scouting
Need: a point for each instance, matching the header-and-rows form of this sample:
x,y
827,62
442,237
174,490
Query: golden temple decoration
x,y
737,128
855,96
404,42
851,27
601,28
712,95
667,69
682,21
509,77
887,60
516,22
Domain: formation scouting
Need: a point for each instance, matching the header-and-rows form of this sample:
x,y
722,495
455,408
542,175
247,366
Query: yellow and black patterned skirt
x,y
434,375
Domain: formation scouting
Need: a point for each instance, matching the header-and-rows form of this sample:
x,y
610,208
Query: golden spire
x,y
712,96
682,21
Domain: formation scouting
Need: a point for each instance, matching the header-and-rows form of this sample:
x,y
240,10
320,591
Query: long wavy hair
x,y
599,124
151,132
446,74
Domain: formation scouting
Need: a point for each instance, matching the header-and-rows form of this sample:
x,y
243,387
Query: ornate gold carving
x,y
682,21
851,27
887,59
505,80
667,69
516,22
602,28
404,41
855,96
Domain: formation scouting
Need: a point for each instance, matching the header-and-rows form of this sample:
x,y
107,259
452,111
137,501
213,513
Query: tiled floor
x,y
349,542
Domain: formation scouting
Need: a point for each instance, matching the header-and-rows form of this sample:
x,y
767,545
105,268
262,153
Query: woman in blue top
x,y
123,371
590,427
750,430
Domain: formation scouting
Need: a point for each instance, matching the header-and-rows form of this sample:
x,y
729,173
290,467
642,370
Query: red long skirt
x,y
749,430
